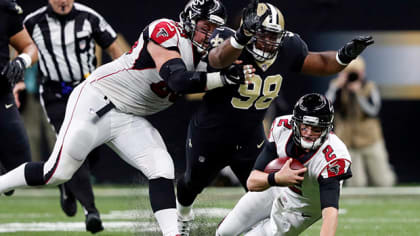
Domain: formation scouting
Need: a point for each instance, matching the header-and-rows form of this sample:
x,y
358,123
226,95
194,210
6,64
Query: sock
x,y
166,219
13,179
184,211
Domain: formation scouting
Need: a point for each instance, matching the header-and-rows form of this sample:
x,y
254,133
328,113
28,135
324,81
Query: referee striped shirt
x,y
66,44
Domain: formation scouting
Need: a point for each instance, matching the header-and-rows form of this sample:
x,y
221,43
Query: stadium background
x,y
324,24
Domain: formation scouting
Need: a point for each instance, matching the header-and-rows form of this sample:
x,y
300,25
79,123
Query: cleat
x,y
93,223
67,201
9,193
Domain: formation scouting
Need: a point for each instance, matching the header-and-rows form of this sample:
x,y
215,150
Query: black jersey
x,y
245,105
10,24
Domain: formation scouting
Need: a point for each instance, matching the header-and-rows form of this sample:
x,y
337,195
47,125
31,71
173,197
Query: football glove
x,y
234,74
11,6
354,48
14,70
250,24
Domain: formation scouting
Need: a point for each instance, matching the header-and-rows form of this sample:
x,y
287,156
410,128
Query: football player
x,y
275,207
110,106
227,129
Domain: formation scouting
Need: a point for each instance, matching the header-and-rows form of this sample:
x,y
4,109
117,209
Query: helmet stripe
x,y
275,18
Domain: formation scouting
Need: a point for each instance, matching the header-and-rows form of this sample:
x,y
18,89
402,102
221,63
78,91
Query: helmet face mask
x,y
316,111
269,36
212,11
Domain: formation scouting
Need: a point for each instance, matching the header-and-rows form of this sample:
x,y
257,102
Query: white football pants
x,y
134,139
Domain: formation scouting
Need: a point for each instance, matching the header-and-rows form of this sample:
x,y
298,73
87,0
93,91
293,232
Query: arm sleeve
x,y
175,73
329,190
268,154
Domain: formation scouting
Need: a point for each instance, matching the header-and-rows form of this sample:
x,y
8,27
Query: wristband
x,y
337,58
26,58
271,179
235,43
213,80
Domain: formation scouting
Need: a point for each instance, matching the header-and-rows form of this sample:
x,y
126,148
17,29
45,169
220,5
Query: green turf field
x,y
126,211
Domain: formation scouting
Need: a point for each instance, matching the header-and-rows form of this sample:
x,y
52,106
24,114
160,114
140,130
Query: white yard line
x,y
143,191
122,225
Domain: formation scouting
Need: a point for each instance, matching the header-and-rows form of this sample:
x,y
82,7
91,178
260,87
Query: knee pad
x,y
161,194
34,173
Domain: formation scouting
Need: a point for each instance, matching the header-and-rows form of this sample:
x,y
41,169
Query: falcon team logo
x,y
336,168
162,33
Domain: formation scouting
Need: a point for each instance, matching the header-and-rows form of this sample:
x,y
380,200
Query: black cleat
x,y
67,201
93,223
9,193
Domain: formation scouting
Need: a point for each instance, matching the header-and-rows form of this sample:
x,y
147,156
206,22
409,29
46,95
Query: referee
x,y
65,34
14,144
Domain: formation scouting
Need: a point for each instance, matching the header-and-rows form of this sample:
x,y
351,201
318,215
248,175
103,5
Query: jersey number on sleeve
x,y
328,153
259,93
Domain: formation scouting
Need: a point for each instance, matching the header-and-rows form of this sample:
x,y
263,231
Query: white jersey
x,y
280,211
132,82
331,159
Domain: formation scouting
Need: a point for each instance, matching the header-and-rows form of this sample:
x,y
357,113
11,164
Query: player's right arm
x,y
164,52
224,55
229,51
22,43
258,180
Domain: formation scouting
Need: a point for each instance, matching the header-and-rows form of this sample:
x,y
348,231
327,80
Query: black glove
x,y
14,70
353,48
250,23
11,6
233,74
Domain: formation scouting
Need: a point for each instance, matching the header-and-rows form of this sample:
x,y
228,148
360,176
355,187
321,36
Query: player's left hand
x,y
14,70
354,48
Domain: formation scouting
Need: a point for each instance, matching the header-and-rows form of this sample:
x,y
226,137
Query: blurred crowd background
x,y
392,63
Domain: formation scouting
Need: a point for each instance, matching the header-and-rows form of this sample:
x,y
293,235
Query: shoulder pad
x,y
162,31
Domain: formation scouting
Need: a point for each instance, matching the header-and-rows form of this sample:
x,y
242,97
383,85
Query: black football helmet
x,y
265,43
315,110
211,10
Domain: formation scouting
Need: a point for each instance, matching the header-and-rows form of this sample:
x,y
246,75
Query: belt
x,y
64,88
105,109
